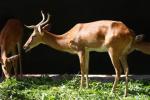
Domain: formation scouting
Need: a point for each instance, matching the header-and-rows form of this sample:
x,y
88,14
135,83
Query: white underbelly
x,y
100,49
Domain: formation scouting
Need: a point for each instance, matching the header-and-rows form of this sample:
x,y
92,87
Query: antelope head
x,y
36,36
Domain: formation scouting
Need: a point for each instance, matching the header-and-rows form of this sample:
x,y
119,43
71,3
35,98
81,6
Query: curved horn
x,y
43,18
42,22
48,18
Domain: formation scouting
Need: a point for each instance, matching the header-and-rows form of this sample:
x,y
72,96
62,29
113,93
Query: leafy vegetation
x,y
64,88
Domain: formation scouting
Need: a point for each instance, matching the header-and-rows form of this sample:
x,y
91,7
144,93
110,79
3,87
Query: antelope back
x,y
11,32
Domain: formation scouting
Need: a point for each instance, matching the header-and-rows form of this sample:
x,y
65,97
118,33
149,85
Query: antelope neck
x,y
55,41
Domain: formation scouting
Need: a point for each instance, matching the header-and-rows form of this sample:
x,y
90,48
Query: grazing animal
x,y
10,39
109,36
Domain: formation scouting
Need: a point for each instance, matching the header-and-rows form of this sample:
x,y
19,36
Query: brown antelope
x,y
10,37
109,36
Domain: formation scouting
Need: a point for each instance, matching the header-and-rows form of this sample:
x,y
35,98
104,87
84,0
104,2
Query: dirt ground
x,y
102,78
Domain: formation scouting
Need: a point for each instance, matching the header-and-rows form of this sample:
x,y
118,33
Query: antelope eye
x,y
33,36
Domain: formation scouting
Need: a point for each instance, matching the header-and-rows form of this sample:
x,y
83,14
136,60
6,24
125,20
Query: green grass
x,y
45,88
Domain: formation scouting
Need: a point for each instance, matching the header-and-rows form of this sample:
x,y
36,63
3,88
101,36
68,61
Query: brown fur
x,y
10,36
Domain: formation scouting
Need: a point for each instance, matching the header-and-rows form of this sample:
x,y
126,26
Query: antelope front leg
x,y
20,57
87,68
5,66
13,60
83,58
82,68
5,71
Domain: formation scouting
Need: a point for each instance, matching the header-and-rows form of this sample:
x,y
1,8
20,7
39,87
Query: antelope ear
x,y
39,29
46,27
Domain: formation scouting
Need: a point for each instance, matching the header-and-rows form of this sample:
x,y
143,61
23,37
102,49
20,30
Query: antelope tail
x,y
140,45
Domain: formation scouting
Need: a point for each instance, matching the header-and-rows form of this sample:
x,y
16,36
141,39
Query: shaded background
x,y
64,15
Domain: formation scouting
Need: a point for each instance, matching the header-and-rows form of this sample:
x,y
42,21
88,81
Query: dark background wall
x,y
64,15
